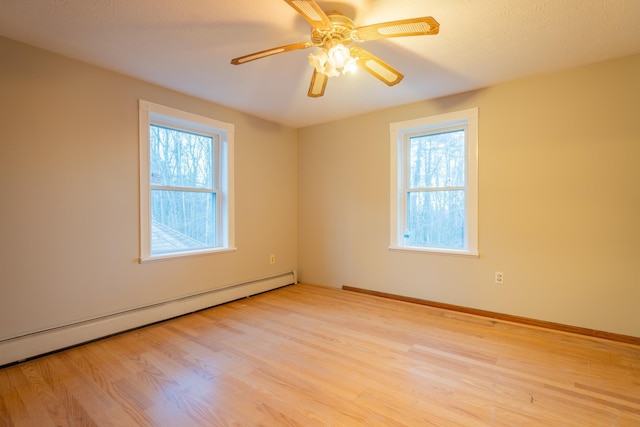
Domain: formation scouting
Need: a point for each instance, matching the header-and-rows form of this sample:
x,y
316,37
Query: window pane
x,y
180,159
437,160
182,220
436,219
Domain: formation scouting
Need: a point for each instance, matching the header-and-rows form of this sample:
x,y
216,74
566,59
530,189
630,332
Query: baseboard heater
x,y
41,342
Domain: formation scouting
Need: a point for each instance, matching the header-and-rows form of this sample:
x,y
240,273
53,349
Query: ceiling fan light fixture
x,y
334,61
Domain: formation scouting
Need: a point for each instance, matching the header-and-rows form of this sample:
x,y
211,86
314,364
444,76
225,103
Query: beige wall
x,y
559,199
559,202
69,186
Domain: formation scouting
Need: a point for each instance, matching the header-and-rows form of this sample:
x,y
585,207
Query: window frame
x,y
400,132
223,185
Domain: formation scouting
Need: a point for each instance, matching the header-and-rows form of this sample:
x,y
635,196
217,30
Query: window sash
x,y
440,131
174,231
186,240
411,236
435,225
214,161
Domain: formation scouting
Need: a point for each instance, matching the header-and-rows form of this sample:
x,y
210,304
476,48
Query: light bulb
x,y
339,55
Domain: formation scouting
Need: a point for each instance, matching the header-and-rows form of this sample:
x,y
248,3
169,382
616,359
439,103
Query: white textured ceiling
x,y
186,45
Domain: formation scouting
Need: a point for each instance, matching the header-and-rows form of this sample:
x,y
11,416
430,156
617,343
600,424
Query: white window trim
x,y
398,131
149,113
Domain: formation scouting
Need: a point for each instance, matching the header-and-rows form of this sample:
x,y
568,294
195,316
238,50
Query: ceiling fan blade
x,y
310,10
376,67
269,52
318,84
424,26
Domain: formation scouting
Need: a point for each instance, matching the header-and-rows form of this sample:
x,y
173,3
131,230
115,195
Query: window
x,y
186,183
434,184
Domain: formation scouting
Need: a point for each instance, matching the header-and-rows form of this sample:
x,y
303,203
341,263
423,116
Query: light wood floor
x,y
306,356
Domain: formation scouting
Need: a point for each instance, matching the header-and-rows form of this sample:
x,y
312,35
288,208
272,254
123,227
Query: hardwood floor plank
x,y
312,356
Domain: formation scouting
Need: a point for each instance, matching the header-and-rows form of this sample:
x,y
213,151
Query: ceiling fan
x,y
333,32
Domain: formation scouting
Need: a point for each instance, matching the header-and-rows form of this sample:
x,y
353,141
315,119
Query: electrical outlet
x,y
499,278
272,259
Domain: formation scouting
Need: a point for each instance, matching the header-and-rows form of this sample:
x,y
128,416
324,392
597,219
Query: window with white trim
x,y
434,183
186,183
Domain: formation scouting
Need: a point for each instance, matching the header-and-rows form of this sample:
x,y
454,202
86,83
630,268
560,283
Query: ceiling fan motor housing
x,y
341,31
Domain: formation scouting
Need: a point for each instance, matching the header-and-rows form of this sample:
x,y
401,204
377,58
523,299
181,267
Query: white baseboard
x,y
42,342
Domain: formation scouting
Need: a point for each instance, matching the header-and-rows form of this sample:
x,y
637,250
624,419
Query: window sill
x,y
434,251
163,257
